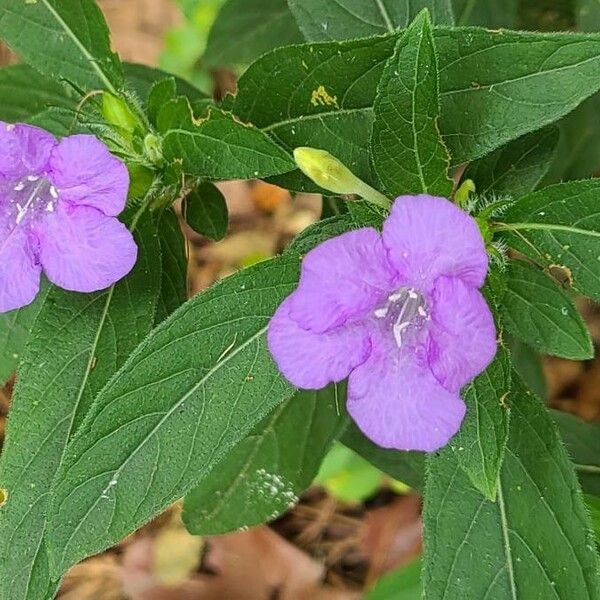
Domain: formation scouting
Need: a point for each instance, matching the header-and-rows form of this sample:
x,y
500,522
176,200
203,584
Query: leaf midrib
x,y
93,62
151,434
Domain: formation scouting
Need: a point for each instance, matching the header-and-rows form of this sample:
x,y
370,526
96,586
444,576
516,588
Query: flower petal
x,y
462,333
342,278
398,403
83,250
19,273
427,237
312,360
86,173
24,150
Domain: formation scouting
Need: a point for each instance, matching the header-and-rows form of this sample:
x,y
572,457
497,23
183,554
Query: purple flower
x,y
58,203
401,314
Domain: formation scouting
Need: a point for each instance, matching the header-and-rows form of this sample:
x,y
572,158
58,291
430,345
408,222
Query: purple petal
x,y
86,173
312,360
462,332
342,278
427,237
24,150
398,403
83,250
19,273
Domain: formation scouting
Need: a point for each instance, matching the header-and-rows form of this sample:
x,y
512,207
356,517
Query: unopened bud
x,y
327,171
117,112
152,149
332,175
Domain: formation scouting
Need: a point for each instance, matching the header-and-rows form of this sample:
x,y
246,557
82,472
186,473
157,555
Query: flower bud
x,y
152,149
117,112
327,171
332,175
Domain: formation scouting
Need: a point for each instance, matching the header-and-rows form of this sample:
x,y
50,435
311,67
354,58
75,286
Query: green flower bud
x,y
327,171
117,112
330,174
152,149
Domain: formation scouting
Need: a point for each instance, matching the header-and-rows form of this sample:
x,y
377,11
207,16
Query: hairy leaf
x,y
495,87
583,444
536,310
534,542
78,342
189,393
408,153
205,211
517,168
173,284
63,39
221,147
559,226
480,444
265,473
24,93
346,19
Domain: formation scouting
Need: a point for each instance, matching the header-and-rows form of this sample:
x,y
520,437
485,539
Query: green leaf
x,y
324,99
77,343
517,168
189,393
498,85
141,78
408,153
560,227
221,147
246,29
578,152
15,329
583,444
480,444
322,20
63,39
173,286
593,505
528,365
24,93
495,87
401,584
407,467
536,310
263,475
319,232
489,13
533,543
161,92
205,211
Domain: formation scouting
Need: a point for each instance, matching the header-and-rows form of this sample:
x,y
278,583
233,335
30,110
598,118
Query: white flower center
x,y
404,311
29,197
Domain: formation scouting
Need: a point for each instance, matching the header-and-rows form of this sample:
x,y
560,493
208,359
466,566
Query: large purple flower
x,y
401,314
58,203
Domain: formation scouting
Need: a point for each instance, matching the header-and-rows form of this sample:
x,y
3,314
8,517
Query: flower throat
x,y
404,311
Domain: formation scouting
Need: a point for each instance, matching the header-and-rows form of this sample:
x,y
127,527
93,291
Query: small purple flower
x,y
58,203
401,314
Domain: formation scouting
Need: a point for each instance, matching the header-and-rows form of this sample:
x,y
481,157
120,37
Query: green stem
x,y
543,227
373,196
592,469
